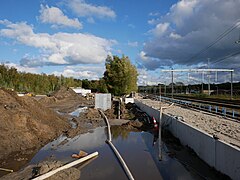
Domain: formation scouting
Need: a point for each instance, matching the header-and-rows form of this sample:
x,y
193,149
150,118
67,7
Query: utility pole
x,y
231,85
165,89
209,88
172,84
160,93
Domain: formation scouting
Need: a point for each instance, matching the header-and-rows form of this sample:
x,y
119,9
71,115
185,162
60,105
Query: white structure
x,y
81,91
128,100
103,101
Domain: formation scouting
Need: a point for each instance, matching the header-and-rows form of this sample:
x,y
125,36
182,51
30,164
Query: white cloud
x,y
154,14
184,9
82,72
133,44
23,68
190,26
54,15
153,21
160,29
174,35
59,48
83,9
151,63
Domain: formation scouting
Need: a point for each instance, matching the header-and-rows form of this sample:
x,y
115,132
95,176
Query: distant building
x,y
82,91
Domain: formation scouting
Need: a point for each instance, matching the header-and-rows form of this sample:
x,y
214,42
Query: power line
x,y
220,37
226,57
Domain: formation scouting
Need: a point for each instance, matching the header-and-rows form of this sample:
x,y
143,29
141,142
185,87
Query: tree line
x,y
119,78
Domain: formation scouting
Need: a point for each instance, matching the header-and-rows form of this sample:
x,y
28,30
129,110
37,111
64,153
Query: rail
x,y
219,109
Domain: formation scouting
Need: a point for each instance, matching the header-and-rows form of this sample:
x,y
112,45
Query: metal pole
x,y
231,84
160,92
160,135
209,85
202,81
172,84
165,89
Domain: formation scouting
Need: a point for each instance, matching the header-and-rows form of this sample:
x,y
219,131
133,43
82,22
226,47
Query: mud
x,y
27,124
33,171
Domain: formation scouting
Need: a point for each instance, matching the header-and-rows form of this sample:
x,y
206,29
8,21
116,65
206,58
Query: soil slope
x,y
26,124
65,100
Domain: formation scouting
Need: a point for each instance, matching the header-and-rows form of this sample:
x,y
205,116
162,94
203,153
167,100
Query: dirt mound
x,y
92,114
133,125
47,100
65,100
64,93
26,124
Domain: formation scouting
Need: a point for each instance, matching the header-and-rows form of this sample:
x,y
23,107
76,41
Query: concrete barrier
x,y
216,153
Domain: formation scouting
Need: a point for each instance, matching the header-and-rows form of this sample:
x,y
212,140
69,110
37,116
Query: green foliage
x,y
120,75
36,83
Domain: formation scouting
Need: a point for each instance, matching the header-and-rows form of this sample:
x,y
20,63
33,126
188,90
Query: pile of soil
x,y
126,111
32,171
87,120
65,100
65,93
26,124
133,125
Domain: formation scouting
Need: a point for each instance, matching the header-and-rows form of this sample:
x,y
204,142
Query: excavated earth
x,y
28,123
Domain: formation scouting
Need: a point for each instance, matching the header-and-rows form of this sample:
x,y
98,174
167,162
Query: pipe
x,y
7,170
44,176
124,165
108,125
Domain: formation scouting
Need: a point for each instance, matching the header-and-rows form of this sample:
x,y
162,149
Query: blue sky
x,y
73,37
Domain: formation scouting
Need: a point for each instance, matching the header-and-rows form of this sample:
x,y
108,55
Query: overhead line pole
x,y
202,70
172,84
231,85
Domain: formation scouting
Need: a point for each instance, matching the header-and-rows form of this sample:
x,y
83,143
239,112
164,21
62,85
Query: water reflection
x,y
78,111
138,149
118,131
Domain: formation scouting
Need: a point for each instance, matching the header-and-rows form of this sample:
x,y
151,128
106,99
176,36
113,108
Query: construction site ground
x,y
29,123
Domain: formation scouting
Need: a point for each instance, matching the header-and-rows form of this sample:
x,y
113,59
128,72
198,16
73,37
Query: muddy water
x,y
78,111
137,148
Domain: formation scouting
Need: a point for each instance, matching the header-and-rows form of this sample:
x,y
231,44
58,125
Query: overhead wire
x,y
226,57
220,37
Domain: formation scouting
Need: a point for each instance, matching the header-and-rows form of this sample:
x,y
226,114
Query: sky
x,y
74,37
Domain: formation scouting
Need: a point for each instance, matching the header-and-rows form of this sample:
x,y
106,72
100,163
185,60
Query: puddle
x,y
138,149
77,112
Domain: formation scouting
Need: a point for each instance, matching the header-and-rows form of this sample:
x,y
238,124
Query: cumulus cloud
x,y
84,9
23,68
160,29
189,27
82,72
54,15
151,63
60,48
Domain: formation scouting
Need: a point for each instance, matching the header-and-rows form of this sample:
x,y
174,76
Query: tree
x,y
120,75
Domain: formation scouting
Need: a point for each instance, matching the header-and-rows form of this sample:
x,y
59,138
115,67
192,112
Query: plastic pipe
x,y
71,164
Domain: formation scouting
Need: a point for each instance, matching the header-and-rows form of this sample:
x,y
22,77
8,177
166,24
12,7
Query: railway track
x,y
221,107
233,104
